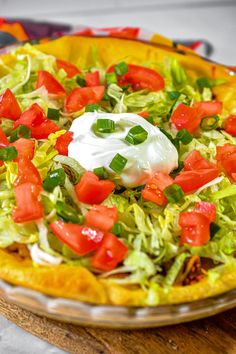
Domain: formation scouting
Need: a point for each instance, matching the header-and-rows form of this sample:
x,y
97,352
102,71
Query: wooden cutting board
x,y
214,335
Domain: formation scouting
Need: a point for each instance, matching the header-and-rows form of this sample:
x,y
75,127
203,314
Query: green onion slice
x,y
121,68
117,229
111,78
209,123
67,213
100,172
91,108
136,135
22,131
53,113
8,153
184,136
214,228
71,167
80,81
118,163
174,95
174,193
203,82
105,125
54,178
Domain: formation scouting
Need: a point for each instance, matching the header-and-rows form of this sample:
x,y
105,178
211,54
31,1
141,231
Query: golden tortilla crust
x,y
80,284
77,282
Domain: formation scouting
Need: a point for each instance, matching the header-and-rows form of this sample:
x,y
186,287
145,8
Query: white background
x,y
213,20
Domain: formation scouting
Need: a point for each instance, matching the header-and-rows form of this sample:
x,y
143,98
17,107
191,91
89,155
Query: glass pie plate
x,y
122,317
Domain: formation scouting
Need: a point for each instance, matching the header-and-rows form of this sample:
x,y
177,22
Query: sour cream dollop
x,y
92,150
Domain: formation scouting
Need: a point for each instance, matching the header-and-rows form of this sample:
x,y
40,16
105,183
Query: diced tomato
x,y
63,142
9,107
69,68
230,125
25,148
189,181
208,108
50,83
81,239
226,157
185,117
92,79
141,78
91,190
44,130
101,217
195,161
153,190
81,97
222,152
27,173
195,228
35,119
207,209
229,165
144,114
111,252
28,206
3,139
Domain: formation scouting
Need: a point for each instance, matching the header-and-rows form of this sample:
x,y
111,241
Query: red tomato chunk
x,y
28,206
80,238
101,217
111,252
195,228
9,107
153,190
91,190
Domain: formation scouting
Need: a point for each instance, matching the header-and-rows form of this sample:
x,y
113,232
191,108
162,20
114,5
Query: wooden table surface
x,y
214,335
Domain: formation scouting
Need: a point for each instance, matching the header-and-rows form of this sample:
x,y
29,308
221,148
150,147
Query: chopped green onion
x,y
54,178
121,68
136,135
53,113
140,188
105,125
203,82
174,193
117,229
67,213
111,78
174,95
91,108
214,228
71,167
106,97
100,172
209,123
150,119
8,153
22,131
184,136
80,81
118,163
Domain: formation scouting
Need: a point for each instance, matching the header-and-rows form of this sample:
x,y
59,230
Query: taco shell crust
x,y
76,282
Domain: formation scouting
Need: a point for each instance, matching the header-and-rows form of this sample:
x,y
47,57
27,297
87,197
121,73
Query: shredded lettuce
x,y
11,232
151,232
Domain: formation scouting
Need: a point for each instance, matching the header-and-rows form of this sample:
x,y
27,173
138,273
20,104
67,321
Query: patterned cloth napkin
x,y
13,31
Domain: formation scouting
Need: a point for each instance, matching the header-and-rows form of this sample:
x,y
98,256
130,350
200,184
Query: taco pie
x,y
117,172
